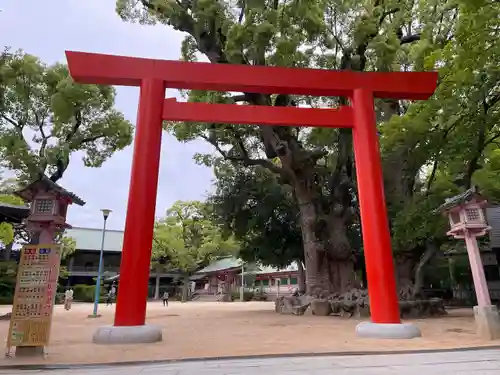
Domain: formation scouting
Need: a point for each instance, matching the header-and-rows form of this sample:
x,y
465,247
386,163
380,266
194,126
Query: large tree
x,y
261,213
186,240
450,142
45,117
317,164
382,35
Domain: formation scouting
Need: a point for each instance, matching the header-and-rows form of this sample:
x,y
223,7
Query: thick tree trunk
x,y
302,277
405,269
157,287
341,260
185,289
342,276
328,260
8,251
312,246
431,250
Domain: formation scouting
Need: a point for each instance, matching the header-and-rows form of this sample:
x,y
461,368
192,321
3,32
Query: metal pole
x,y
99,272
242,293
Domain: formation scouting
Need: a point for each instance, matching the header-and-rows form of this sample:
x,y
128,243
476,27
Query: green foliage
x,y
418,221
430,149
7,282
187,240
86,293
6,233
45,117
6,229
68,246
451,140
261,213
247,296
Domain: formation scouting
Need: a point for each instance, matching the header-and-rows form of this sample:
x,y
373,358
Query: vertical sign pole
x,y
138,237
384,305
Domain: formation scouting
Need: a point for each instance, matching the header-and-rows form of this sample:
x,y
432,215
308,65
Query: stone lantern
x,y
467,221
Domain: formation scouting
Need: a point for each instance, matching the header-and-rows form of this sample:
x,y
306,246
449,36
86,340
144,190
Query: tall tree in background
x,y
45,117
450,142
252,205
318,163
422,143
188,240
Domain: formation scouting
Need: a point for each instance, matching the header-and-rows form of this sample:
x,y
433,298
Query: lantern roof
x,y
468,196
46,184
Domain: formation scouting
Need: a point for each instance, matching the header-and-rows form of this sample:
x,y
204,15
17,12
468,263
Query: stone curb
x,y
41,367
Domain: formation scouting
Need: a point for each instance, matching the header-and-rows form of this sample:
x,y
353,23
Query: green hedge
x,y
7,290
86,293
247,296
6,300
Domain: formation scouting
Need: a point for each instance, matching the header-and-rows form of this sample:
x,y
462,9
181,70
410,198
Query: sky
x,y
46,29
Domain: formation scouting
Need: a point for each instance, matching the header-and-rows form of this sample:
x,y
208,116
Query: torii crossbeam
x,y
154,76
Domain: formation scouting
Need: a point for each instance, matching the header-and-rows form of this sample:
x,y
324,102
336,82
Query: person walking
x,y
111,295
68,298
109,299
165,298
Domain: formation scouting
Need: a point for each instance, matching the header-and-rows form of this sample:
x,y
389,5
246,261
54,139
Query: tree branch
x,y
10,121
76,126
386,14
244,159
242,13
91,139
409,38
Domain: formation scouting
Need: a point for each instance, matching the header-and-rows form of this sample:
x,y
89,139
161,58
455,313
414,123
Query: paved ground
x,y
477,362
204,329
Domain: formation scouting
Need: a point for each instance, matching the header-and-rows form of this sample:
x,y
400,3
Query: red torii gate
x,y
154,76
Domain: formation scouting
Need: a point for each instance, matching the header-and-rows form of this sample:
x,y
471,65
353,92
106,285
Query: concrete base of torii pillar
x,y
387,331
144,334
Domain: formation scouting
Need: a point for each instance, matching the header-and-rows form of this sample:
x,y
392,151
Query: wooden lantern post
x,y
467,221
38,270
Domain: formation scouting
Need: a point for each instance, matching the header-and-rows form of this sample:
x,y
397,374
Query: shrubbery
x,y
86,293
7,290
247,296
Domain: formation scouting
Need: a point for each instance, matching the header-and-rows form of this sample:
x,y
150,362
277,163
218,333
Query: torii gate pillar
x,y
153,76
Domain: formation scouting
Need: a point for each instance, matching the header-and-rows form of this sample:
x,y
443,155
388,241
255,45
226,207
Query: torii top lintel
x,y
93,68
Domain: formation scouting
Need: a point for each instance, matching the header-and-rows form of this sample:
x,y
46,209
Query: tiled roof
x,y
231,262
221,264
12,213
27,195
90,239
459,199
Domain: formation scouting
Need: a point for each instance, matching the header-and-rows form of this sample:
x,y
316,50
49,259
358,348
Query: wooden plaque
x,y
35,294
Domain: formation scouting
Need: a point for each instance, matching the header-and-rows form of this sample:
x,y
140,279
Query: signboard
x,y
35,294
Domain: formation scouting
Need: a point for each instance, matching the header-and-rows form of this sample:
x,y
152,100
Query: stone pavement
x,y
472,362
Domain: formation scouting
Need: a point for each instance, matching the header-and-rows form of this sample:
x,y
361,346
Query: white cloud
x,y
48,28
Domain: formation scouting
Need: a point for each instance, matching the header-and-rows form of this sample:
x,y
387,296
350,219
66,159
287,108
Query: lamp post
x,y
242,289
105,214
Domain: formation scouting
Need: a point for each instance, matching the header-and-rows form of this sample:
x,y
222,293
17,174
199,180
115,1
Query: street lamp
x,y
105,214
242,289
